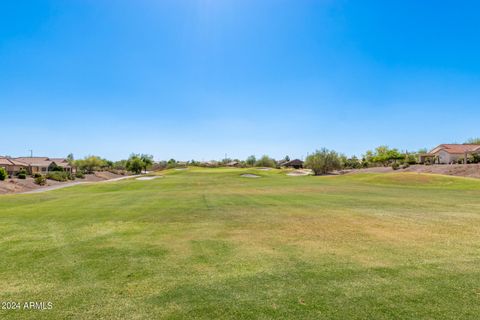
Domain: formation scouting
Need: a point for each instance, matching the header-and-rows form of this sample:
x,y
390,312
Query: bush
x,y
58,176
56,168
395,166
79,175
22,172
3,174
40,180
410,159
406,165
22,175
323,161
37,174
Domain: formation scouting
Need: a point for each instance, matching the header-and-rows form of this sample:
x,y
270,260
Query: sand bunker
x,y
299,173
248,175
149,178
264,169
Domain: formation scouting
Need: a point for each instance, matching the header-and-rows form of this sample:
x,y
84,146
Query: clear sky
x,y
201,78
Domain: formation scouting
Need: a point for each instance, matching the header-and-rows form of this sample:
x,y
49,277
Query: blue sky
x,y
201,78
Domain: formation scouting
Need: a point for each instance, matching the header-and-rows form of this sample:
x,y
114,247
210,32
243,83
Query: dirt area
x,y
300,172
459,170
28,185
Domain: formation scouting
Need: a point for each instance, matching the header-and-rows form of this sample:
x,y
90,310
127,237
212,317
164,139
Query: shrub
x,y
411,159
395,166
37,174
22,172
323,161
475,158
3,174
40,180
56,168
22,175
79,175
57,176
406,165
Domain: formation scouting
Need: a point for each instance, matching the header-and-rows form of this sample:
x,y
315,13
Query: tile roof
x,y
59,160
456,148
11,162
35,161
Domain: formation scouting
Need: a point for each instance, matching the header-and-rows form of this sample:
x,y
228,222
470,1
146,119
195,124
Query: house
x,y
296,164
44,164
64,164
211,164
450,153
12,166
233,164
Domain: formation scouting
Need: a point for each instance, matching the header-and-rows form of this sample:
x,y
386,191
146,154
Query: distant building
x,y
211,164
12,166
296,164
450,153
233,164
34,164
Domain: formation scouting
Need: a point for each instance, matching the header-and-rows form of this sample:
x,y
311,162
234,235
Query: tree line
x,y
322,161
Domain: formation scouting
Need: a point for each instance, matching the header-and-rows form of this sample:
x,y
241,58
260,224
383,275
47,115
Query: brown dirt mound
x,y
19,185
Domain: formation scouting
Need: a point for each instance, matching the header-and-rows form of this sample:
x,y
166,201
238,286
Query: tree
x,y
106,164
160,165
287,158
135,164
172,163
411,158
120,165
251,161
473,141
3,174
368,157
90,163
384,155
70,158
266,161
351,163
323,161
147,161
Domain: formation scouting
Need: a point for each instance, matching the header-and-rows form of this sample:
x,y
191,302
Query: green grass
x,y
208,243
